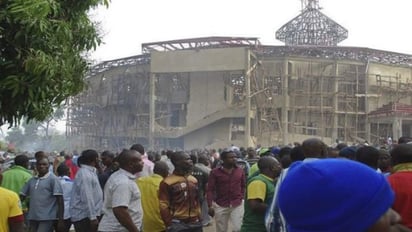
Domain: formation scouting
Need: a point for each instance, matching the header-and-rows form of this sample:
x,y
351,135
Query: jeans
x,y
205,215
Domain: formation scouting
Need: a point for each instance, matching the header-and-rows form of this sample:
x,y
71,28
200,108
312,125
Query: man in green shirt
x,y
17,176
259,194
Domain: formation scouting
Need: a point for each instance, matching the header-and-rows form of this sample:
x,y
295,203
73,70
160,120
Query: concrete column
x,y
335,116
368,129
229,136
152,109
396,128
410,129
367,121
248,96
285,103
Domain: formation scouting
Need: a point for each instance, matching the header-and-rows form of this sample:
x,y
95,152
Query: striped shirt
x,y
87,196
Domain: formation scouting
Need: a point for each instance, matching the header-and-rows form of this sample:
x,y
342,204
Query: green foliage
x,y
42,48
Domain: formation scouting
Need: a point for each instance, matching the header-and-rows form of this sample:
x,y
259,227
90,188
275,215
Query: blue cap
x,y
275,150
333,195
348,152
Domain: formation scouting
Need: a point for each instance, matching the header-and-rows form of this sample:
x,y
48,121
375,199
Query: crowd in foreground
x,y
307,187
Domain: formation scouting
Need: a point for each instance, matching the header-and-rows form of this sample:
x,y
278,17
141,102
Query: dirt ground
x,y
212,228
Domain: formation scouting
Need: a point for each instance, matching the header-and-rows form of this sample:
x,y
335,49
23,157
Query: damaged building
x,y
216,91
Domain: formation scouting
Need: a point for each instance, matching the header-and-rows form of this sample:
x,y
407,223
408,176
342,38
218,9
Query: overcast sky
x,y
126,24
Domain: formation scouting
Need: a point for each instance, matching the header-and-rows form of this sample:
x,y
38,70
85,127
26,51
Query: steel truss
x,y
311,27
197,43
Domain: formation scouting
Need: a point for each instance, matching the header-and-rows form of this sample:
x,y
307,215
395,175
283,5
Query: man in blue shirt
x,y
46,199
87,197
67,185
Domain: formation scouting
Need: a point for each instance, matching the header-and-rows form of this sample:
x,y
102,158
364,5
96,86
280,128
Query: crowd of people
x,y
307,187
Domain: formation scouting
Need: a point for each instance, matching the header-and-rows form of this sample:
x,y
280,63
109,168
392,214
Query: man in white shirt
x,y
122,205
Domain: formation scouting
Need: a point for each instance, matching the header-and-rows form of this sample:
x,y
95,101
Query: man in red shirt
x,y
401,182
68,160
226,188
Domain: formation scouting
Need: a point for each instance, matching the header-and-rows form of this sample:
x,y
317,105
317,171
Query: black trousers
x,y
185,227
82,225
67,225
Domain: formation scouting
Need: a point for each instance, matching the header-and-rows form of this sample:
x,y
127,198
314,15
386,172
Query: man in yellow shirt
x,y
259,195
11,215
149,190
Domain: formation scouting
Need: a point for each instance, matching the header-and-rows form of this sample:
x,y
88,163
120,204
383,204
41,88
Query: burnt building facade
x,y
218,91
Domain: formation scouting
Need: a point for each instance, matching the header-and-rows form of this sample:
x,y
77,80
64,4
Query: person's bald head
x,y
138,147
22,160
160,168
131,161
401,153
269,166
404,139
314,148
182,162
39,155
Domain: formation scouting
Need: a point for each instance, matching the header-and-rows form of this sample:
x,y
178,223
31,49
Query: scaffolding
x,y
311,27
394,116
216,91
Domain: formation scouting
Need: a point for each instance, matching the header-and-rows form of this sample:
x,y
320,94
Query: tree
x,y
35,135
42,55
46,125
16,137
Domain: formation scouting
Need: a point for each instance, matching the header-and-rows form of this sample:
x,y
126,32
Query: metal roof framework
x,y
392,108
311,27
351,53
340,53
203,42
127,61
